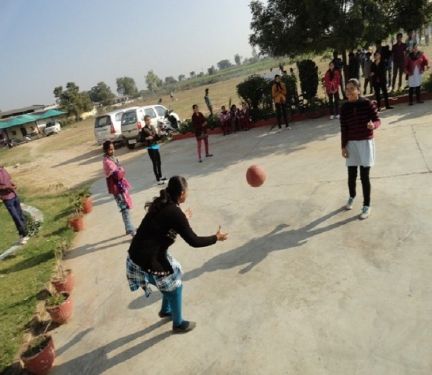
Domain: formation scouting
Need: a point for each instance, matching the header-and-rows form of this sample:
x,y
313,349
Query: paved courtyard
x,y
301,286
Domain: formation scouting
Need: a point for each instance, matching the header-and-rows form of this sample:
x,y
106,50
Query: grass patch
x,y
24,275
9,233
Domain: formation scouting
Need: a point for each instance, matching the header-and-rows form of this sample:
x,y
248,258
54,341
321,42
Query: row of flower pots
x,y
39,355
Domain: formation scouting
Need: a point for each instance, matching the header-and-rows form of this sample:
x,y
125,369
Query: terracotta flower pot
x,y
64,284
87,205
61,313
77,223
39,360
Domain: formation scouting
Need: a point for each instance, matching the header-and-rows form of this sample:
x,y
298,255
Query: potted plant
x,y
87,203
76,221
39,355
63,281
59,306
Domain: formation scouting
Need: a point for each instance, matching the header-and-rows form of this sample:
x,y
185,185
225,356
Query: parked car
x,y
52,127
108,127
133,120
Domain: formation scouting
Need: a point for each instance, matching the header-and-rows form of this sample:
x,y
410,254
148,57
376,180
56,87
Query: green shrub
x,y
256,91
428,84
308,74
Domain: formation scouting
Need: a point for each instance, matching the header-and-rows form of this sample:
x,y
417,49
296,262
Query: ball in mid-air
x,y
255,176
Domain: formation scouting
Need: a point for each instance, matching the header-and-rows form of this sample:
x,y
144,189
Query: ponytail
x,y
169,195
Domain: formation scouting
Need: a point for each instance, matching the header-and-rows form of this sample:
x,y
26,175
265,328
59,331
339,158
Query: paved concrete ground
x,y
300,287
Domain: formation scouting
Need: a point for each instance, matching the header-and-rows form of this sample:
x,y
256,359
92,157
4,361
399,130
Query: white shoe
x,y
349,204
160,182
23,240
365,212
331,117
338,117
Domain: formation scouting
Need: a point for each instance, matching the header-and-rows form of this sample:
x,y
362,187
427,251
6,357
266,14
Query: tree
x,y
192,74
200,74
153,81
224,64
211,70
237,59
72,100
101,93
170,80
126,86
335,24
181,77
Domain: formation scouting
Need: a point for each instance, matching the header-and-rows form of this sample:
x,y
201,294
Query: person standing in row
x,y
150,137
12,202
208,101
332,83
416,64
359,118
118,185
279,93
379,81
199,124
149,261
367,65
398,54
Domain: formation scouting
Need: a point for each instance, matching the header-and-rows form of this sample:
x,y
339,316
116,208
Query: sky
x,y
47,43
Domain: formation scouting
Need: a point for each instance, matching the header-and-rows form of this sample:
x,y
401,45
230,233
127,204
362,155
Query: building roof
x,y
25,119
21,111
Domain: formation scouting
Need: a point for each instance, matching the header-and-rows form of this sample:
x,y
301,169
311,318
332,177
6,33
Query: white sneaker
x,y
349,204
160,182
338,117
365,212
23,240
331,117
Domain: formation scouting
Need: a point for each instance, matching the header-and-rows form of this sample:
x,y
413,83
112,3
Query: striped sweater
x,y
354,117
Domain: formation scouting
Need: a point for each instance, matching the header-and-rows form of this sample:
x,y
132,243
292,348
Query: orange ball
x,y
255,176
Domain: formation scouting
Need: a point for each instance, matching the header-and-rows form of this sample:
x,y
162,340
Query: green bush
x,y
256,91
308,74
428,84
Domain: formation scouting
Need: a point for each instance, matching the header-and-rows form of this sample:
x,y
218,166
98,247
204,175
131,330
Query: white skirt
x,y
361,153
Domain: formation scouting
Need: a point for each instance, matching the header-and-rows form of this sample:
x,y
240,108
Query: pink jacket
x,y
421,62
115,178
332,85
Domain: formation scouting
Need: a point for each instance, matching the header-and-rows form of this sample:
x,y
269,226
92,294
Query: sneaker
x,y
163,314
160,182
338,117
349,204
163,178
209,155
23,240
184,327
289,127
365,212
200,161
331,117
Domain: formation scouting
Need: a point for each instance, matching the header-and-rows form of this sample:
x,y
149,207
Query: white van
x,y
133,120
108,127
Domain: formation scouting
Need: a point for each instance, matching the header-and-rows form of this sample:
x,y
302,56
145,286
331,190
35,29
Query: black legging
x,y
364,176
281,111
334,103
411,94
378,87
156,160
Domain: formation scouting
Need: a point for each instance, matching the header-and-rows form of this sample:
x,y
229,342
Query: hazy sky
x,y
46,43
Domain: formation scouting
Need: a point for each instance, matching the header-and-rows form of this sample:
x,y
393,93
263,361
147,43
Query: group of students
x,y
406,60
235,119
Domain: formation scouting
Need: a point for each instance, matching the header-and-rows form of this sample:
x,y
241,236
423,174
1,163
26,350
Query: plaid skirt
x,y
138,278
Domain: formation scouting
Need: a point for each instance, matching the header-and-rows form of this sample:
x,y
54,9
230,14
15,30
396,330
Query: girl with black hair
x,y
117,185
149,261
279,93
150,137
332,80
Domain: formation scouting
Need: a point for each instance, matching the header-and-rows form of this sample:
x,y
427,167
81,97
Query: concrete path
x,y
301,287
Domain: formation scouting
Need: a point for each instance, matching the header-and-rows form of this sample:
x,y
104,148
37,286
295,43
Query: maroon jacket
x,y
398,52
354,118
198,121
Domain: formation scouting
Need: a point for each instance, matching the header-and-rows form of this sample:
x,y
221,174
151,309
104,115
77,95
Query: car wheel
x,y
130,146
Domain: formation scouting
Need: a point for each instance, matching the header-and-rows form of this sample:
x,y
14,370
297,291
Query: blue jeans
x,y
125,213
14,207
171,303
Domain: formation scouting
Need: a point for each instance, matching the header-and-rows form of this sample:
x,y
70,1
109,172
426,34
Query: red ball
x,y
255,176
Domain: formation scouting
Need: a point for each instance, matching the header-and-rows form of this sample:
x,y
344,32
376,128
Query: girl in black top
x,y
379,80
149,260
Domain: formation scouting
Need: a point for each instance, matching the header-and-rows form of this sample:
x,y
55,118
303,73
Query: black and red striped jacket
x,y
354,117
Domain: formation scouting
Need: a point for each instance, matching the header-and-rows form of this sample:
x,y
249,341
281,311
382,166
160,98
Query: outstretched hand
x,y
221,236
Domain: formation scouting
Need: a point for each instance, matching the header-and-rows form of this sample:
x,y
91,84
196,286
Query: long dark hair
x,y
171,194
105,146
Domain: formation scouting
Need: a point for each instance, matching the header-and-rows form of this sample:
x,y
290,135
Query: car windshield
x,y
160,110
150,112
129,118
102,121
118,116
50,124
